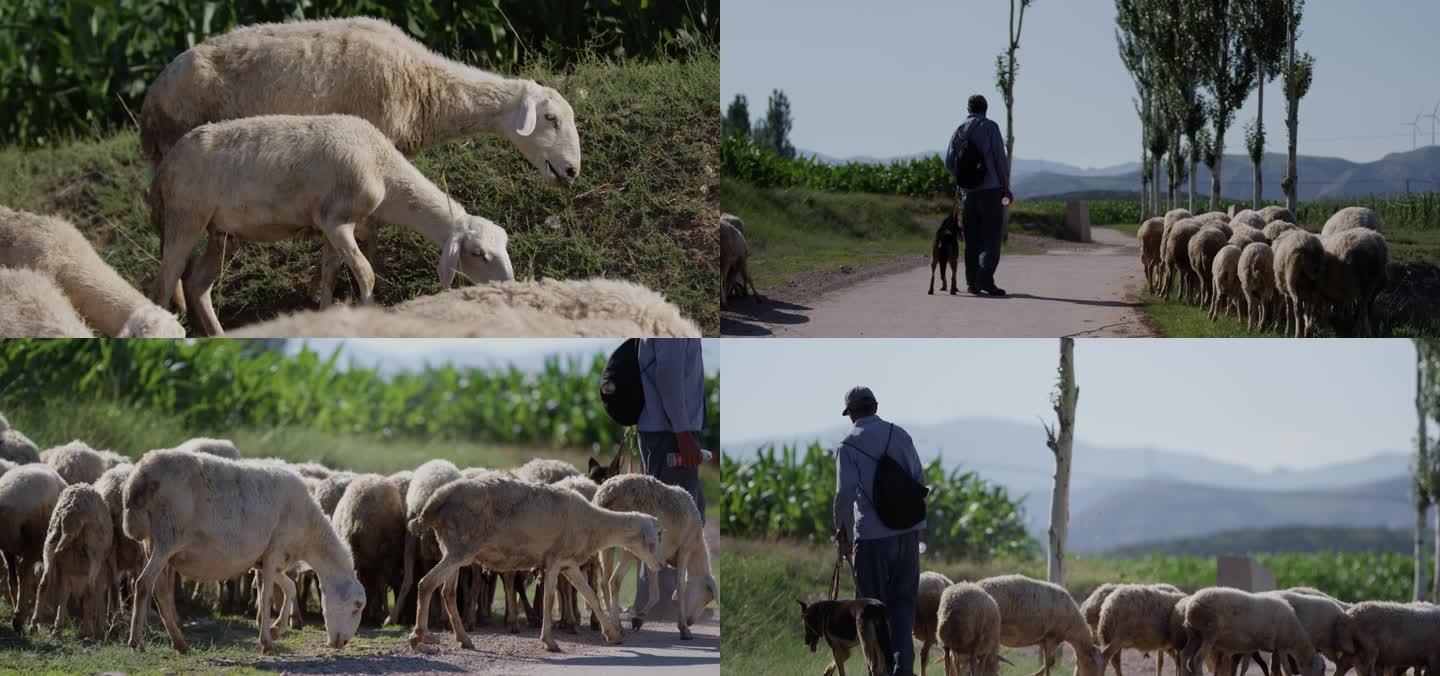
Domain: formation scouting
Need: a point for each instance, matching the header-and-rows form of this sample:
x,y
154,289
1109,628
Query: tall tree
x,y
1230,73
776,125
1158,139
1427,467
1298,73
1422,485
1179,60
737,118
1146,208
1005,67
1129,38
1061,440
1266,41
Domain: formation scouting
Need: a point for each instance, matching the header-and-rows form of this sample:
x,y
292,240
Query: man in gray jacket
x,y
983,213
887,562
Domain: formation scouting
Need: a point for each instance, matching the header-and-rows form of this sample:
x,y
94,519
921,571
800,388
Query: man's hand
x,y
1005,193
689,450
842,537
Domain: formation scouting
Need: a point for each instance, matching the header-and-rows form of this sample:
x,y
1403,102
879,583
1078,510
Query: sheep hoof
x,y
636,623
551,646
467,644
685,634
932,292
266,648
180,647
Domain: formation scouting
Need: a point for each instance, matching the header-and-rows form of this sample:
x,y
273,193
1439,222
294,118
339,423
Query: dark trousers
x,y
888,570
654,446
982,216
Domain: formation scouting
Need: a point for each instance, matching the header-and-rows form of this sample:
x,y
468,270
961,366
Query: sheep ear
x,y
525,117
449,258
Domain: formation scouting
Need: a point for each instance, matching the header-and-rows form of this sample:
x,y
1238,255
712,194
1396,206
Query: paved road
x,y
1082,291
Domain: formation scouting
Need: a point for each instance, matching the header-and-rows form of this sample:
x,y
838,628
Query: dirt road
x,y
1069,290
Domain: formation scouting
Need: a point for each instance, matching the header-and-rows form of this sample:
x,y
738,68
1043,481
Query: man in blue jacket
x,y
983,212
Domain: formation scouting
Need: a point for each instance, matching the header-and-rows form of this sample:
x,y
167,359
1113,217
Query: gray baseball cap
x,y
858,396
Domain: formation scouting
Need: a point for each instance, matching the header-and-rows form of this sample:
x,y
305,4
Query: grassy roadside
x,y
643,208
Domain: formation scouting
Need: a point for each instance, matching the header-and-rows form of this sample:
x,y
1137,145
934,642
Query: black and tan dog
x,y
945,250
848,622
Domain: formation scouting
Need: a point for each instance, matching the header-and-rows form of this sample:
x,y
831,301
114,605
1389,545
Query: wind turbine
x,y
1414,130
1434,117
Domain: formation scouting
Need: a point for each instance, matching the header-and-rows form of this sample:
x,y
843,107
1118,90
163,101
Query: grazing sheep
x,y
1350,218
78,564
1225,281
1175,258
1149,235
1257,283
1316,592
545,471
569,599
1174,216
129,556
735,263
1144,618
1033,612
1331,631
32,306
223,448
927,617
77,463
1274,213
1248,218
1355,261
1234,622
1274,229
329,491
363,67
16,447
1395,636
968,625
423,552
27,497
590,308
310,470
1243,234
1202,250
478,521
210,518
103,298
1299,270
331,173
682,547
370,520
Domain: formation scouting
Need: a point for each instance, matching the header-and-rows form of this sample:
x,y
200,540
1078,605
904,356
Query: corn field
x,y
81,66
216,385
1349,576
788,492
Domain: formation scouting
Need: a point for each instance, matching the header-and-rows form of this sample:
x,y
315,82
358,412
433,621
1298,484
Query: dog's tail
x,y
874,634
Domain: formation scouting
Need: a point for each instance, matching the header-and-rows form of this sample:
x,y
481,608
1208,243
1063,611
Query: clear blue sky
x,y
891,78
1261,403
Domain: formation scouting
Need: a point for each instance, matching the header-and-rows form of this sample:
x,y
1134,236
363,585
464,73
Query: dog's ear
x,y
802,606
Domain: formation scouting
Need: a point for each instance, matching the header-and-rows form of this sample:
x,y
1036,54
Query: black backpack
x,y
963,160
898,499
621,392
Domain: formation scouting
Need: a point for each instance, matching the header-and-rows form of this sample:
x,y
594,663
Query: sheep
x,y
1391,635
1350,218
1149,235
370,519
331,173
1202,250
478,521
545,471
1090,608
364,67
1274,229
1234,622
77,463
1243,234
52,246
682,547
1174,216
329,491
1175,257
1248,218
1257,283
735,263
1140,617
16,447
210,518
1299,269
28,495
78,562
927,617
1331,631
309,470
1274,213
424,481
128,556
968,624
32,306
223,448
550,308
1225,281
1355,261
1033,612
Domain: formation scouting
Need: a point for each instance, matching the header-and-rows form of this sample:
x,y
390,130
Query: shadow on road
x,y
745,318
1076,301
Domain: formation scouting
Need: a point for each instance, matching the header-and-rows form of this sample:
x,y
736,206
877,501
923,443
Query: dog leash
x,y
840,559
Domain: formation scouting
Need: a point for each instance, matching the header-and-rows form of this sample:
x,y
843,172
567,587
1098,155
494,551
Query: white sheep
x,y
274,177
734,263
223,448
1234,622
1175,258
210,518
1242,235
1225,280
1299,271
1355,263
77,463
1033,612
1274,213
545,471
1140,617
589,308
1248,218
16,447
1257,283
1392,636
1331,631
1350,218
569,599
927,607
129,556
370,519
1174,216
32,306
79,564
1149,236
1202,250
423,552
682,547
27,497
481,521
102,297
1274,229
968,625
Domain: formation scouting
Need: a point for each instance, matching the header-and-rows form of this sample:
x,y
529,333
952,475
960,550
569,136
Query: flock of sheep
x,y
1261,264
1220,627
281,131
77,525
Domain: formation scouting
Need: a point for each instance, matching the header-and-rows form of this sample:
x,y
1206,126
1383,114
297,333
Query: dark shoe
x,y
995,290
973,290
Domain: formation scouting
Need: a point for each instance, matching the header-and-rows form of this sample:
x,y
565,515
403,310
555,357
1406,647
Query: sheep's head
x,y
149,321
542,125
1316,666
647,542
344,602
477,248
699,592
1088,664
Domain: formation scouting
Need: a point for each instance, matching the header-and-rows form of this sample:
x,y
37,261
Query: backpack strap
x,y
876,460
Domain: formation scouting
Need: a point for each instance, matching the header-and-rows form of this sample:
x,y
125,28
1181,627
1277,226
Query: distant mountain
x,y
1289,538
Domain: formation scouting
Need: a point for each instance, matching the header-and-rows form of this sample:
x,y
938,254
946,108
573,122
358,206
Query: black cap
x,y
858,396
977,104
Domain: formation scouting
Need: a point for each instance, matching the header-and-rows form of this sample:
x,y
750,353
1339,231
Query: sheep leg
x,y
1194,661
406,580
165,602
924,655
448,566
342,237
512,613
288,608
622,567
932,278
592,576
682,613
330,262
552,573
182,233
267,582
1047,657
199,280
611,629
155,567
1110,656
448,593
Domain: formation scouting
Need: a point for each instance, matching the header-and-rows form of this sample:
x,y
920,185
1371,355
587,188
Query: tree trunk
x,y
1293,104
1194,159
1061,442
1144,185
1422,571
1421,483
1220,108
1155,184
1259,129
1009,142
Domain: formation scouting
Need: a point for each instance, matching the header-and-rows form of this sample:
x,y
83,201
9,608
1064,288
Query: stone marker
x,y
1244,573
1077,221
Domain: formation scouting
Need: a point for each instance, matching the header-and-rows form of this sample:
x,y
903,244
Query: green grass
x,y
643,208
